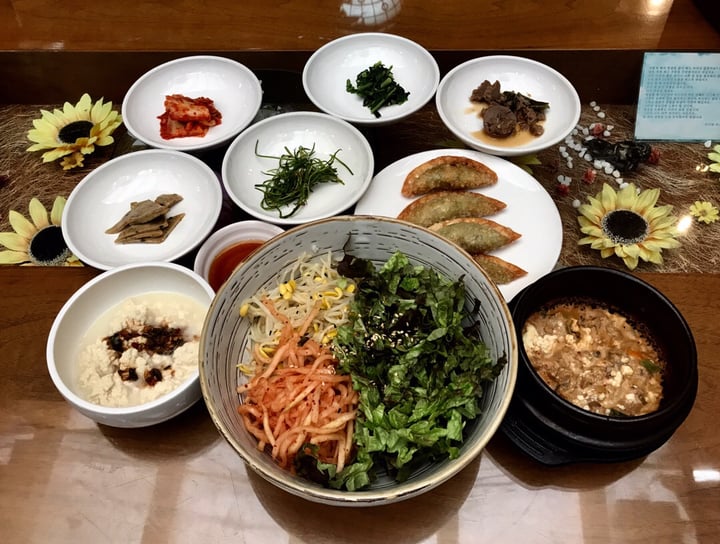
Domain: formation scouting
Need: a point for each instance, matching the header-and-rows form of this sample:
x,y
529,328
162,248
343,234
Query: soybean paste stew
x,y
595,359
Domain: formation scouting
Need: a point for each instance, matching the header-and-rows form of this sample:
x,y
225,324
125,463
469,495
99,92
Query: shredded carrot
x,y
296,398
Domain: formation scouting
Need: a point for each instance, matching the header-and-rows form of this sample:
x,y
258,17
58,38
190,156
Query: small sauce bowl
x,y
226,248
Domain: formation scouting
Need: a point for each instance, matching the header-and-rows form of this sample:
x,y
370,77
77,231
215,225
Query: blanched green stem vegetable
x,y
378,88
418,364
297,174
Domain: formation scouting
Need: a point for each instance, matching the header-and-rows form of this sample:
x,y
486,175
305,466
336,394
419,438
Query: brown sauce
x,y
520,137
595,358
228,259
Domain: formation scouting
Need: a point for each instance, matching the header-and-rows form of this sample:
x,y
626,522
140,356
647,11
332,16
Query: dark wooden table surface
x,y
64,478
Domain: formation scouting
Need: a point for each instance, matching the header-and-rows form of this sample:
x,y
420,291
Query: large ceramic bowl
x,y
225,341
554,431
78,321
234,89
516,74
327,71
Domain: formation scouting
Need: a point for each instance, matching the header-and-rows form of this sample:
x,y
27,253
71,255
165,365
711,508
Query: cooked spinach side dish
x,y
377,87
419,366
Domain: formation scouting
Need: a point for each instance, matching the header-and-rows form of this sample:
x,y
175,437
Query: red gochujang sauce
x,y
227,260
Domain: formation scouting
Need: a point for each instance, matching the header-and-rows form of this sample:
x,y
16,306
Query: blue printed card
x,y
679,97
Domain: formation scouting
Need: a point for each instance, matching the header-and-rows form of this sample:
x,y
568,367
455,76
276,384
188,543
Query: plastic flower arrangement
x,y
704,211
37,241
714,157
627,223
74,131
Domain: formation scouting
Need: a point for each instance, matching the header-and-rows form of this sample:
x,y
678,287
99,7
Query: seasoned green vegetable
x,y
297,174
378,88
418,364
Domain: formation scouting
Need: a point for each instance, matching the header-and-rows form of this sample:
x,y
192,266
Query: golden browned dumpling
x,y
476,234
447,172
499,270
441,205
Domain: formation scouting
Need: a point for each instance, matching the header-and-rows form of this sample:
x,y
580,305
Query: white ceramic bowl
x,y
228,236
242,169
517,74
89,303
326,72
224,343
234,89
105,194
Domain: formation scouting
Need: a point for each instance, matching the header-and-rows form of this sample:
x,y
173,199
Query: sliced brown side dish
x,y
147,221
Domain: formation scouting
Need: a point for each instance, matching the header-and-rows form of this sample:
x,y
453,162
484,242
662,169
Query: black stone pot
x,y
553,431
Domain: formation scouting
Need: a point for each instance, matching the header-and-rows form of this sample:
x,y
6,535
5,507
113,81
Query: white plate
x,y
517,74
242,169
530,211
105,194
326,72
234,89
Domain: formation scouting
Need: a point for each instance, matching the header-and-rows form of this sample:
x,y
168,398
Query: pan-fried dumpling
x,y
499,270
447,172
442,205
476,234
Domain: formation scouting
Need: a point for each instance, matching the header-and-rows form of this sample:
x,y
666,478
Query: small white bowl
x,y
105,194
234,89
87,305
228,236
326,72
242,169
517,74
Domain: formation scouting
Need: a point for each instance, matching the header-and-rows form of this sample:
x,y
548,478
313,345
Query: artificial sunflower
x,y
627,223
74,131
704,211
38,241
714,157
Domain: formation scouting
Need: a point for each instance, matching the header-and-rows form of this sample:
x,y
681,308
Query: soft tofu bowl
x,y
123,350
555,430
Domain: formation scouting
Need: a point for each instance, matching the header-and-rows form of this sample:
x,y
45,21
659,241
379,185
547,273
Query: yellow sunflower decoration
x,y
74,131
627,223
37,241
704,211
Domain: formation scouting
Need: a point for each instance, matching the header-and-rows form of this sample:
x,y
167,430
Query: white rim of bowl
x,y
499,150
94,173
352,37
274,119
200,145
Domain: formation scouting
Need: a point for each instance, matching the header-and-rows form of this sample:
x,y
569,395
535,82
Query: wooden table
x,y
65,479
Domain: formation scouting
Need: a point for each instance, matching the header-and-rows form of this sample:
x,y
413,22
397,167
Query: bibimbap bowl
x,y
554,431
224,344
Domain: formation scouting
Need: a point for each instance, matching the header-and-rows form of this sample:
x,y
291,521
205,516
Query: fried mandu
x,y
499,270
476,234
443,205
147,221
447,172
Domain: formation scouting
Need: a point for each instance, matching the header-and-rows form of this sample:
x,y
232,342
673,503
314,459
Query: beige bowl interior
x,y
224,342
